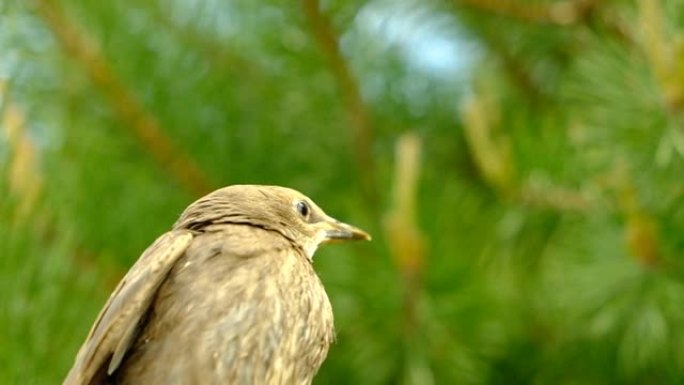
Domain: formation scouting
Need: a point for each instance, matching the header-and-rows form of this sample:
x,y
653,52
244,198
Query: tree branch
x,y
355,108
144,126
559,13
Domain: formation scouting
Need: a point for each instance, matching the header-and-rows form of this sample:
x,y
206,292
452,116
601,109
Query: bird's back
x,y
241,306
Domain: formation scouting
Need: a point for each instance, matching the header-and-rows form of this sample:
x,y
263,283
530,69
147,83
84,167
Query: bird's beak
x,y
338,231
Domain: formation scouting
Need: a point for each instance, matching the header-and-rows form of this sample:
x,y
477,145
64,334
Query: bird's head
x,y
281,209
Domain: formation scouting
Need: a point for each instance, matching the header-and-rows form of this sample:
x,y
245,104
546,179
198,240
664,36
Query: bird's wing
x,y
118,322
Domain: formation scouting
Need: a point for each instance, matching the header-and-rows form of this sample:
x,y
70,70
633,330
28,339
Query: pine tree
x,y
519,164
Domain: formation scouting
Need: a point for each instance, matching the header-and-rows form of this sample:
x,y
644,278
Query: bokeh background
x,y
519,164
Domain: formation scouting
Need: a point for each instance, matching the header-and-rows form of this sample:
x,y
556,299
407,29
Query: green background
x,y
518,163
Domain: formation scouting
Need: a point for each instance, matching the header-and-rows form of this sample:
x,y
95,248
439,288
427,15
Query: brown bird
x,y
228,296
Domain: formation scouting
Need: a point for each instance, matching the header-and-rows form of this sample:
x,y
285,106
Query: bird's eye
x,y
303,209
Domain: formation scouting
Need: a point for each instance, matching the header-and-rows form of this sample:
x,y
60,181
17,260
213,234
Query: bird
x,y
227,296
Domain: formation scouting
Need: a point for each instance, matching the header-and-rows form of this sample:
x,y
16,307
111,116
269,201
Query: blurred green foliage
x,y
540,242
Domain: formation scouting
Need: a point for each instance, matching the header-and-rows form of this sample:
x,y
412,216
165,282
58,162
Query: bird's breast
x,y
239,307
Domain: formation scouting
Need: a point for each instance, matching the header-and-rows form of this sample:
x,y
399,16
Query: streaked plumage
x,y
228,296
